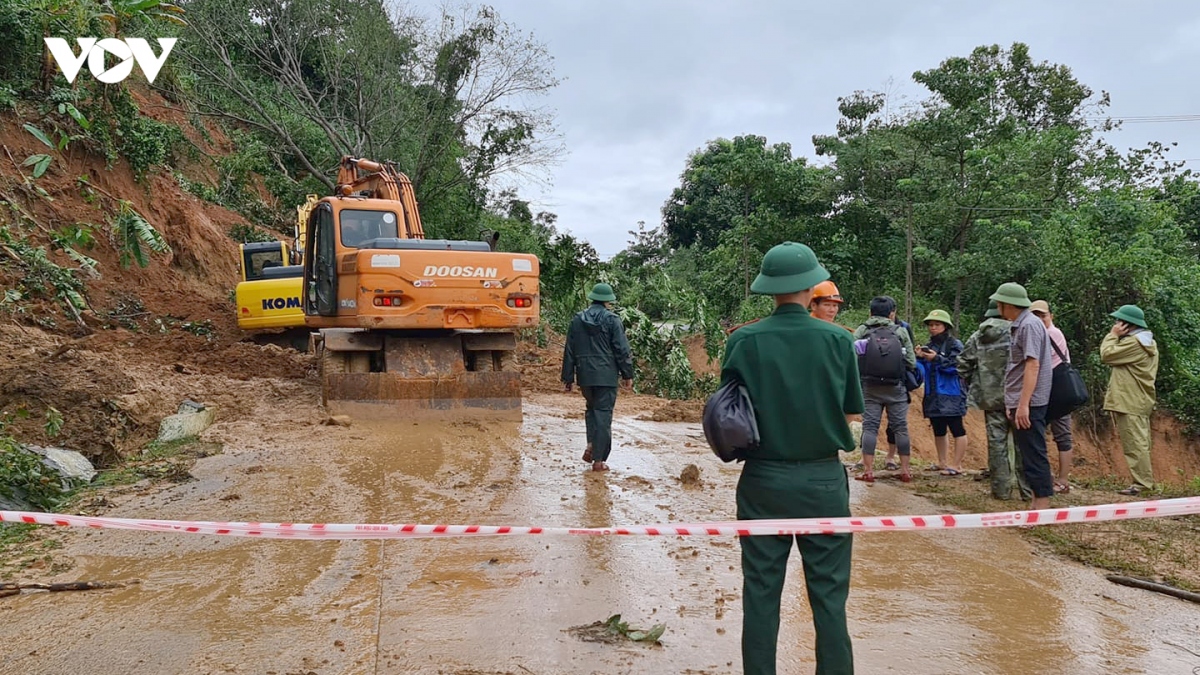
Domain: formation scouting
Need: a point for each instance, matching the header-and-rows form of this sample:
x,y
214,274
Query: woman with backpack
x,y
945,399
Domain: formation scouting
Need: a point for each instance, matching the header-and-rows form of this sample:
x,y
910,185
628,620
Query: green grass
x,y
1153,548
15,534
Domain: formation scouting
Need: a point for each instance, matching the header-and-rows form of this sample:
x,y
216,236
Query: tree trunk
x,y
745,267
908,268
958,284
957,300
745,243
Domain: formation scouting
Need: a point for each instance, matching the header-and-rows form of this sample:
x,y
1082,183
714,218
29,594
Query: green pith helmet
x,y
1131,314
788,268
1013,294
993,311
602,293
940,315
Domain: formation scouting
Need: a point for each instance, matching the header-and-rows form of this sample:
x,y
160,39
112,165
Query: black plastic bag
x,y
730,425
1067,389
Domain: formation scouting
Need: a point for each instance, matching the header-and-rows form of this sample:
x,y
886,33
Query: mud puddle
x,y
938,602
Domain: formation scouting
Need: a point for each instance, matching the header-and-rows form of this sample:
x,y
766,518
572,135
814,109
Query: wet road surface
x,y
926,603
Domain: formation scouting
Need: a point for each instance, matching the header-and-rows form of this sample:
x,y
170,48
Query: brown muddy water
x,y
925,603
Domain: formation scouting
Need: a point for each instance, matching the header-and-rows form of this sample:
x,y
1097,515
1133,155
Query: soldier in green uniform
x,y
802,376
596,353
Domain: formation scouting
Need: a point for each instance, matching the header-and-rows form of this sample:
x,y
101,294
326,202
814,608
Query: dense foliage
x,y
1000,174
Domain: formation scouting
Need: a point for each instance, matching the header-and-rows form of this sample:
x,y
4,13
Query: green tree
x,y
736,199
999,142
319,80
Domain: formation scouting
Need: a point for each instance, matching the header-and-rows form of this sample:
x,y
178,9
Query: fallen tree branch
x,y
87,330
1156,587
63,349
7,589
24,213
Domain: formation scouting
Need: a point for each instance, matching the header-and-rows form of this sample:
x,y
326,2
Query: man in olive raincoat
x,y
1129,349
596,354
802,376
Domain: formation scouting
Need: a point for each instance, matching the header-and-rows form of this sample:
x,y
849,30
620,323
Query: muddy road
x,y
938,602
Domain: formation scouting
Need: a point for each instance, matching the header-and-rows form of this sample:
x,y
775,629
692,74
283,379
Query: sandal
x,y
1131,491
905,477
934,467
1062,488
951,472
892,466
867,477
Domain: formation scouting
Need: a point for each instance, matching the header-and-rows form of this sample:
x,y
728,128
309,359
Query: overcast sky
x,y
645,82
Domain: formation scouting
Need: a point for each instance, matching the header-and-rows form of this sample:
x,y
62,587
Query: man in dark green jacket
x,y
802,376
596,354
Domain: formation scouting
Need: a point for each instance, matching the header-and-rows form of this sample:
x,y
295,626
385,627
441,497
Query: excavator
x,y
268,295
401,323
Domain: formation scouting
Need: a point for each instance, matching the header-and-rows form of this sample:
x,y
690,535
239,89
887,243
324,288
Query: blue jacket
x,y
944,393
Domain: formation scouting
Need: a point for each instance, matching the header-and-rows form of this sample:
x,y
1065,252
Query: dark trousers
x,y
600,404
795,490
1031,443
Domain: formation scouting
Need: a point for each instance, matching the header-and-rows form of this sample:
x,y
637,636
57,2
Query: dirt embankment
x,y
192,283
1176,456
151,336
113,388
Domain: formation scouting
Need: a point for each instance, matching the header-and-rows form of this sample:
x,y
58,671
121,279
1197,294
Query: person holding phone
x,y
944,404
1130,350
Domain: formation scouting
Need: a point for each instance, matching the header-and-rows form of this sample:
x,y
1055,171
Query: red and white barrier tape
x,y
1077,514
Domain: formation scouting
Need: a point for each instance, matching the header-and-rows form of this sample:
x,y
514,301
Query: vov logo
x,y
93,51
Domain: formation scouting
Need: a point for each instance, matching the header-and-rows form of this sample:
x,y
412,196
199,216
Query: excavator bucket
x,y
460,376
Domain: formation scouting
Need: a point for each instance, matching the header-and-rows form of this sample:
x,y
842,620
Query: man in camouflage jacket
x,y
982,364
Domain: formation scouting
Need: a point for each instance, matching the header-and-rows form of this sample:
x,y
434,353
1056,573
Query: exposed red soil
x,y
139,361
1175,456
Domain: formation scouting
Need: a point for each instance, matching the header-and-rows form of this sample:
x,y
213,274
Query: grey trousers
x,y
877,398
1061,428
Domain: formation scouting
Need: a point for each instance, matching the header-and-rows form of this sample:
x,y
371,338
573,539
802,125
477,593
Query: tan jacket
x,y
1134,362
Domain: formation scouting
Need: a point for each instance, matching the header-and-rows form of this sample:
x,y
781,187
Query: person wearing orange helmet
x,y
826,301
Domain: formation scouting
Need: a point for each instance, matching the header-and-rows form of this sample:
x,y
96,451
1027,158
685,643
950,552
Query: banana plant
x,y
118,13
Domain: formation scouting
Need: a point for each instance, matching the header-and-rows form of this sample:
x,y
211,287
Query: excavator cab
x,y
258,256
405,323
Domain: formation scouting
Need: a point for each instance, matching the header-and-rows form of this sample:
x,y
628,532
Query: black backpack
x,y
730,425
883,360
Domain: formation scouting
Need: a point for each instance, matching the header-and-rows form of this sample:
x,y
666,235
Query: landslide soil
x,y
151,336
935,602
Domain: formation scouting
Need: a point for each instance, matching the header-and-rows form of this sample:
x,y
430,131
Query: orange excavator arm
x,y
381,180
